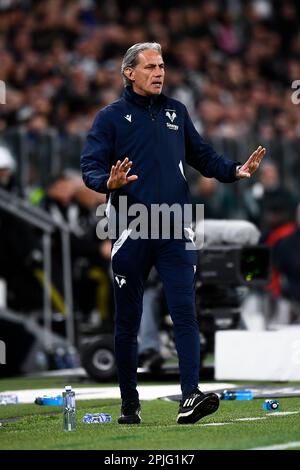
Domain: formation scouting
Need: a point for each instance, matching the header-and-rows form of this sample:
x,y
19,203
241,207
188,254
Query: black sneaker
x,y
196,406
130,413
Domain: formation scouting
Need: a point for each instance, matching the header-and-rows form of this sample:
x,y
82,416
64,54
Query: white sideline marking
x,y
215,424
147,392
257,418
282,413
287,445
251,418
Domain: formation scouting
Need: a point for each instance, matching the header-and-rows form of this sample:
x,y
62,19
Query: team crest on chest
x,y
171,115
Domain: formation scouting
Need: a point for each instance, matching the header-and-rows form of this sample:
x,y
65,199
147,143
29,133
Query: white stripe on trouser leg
x,y
121,240
191,234
108,207
181,169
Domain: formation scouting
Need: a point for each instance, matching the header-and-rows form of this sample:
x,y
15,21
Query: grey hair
x,y
131,56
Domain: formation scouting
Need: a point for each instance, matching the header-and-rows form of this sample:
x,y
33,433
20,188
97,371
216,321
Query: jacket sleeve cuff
x,y
102,188
237,167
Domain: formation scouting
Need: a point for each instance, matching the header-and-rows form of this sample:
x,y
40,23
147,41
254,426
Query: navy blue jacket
x,y
157,134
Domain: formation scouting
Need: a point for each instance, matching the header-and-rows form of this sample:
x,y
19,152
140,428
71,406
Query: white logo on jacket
x,y
128,117
174,127
171,114
121,280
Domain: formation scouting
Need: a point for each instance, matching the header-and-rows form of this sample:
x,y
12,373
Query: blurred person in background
x,y
272,207
219,200
265,196
149,347
72,203
286,258
19,245
93,284
7,169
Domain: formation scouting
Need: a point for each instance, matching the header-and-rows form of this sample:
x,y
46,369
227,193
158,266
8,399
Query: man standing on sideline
x,y
157,137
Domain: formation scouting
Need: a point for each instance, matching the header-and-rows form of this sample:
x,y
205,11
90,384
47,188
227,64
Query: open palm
x,y
253,162
118,174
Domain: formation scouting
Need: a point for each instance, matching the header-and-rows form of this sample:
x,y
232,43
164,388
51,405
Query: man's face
x,y
148,75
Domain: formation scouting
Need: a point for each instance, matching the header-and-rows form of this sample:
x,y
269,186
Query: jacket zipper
x,y
154,118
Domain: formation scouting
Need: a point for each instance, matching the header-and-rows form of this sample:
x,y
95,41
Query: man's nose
x,y
158,71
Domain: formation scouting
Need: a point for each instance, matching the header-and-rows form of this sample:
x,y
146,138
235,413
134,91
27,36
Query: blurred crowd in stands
x,y
232,63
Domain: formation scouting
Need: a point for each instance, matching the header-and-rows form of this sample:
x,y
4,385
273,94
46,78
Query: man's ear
x,y
129,73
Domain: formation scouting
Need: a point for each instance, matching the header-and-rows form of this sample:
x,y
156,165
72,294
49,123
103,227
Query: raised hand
x,y
118,174
251,165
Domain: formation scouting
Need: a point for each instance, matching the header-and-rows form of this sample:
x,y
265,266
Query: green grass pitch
x,y
232,427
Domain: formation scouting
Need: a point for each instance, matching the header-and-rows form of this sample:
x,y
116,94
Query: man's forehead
x,y
150,56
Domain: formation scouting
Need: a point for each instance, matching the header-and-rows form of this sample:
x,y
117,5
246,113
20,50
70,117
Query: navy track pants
x,y
132,261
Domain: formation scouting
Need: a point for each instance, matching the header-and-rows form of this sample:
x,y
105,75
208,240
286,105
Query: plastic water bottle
x,y
69,409
237,395
91,418
8,399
